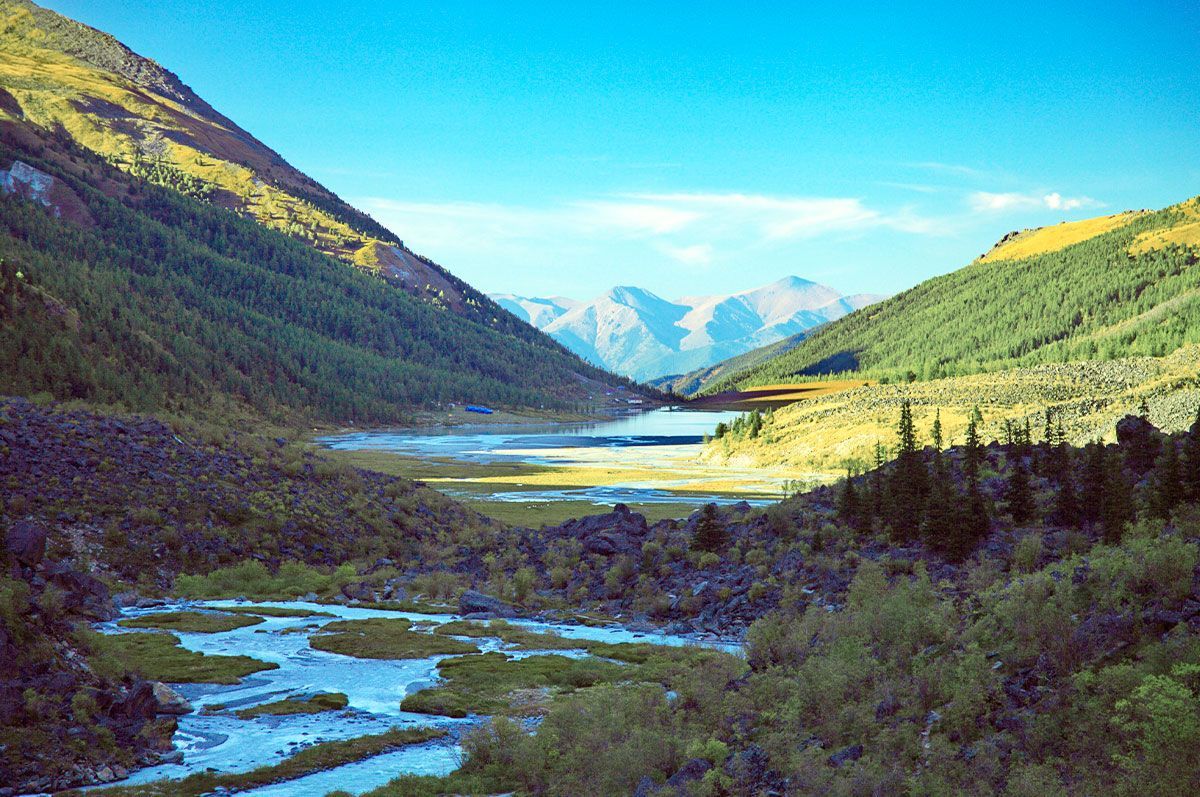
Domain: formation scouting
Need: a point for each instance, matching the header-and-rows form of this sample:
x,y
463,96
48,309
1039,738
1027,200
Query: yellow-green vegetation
x,y
329,701
191,622
492,683
275,611
514,635
326,755
251,579
160,131
473,482
159,657
1049,239
535,514
416,607
384,638
826,435
1186,233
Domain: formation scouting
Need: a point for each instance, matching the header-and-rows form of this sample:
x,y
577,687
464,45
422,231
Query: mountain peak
x,y
635,332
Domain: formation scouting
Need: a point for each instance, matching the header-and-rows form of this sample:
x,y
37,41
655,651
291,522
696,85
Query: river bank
x,y
218,734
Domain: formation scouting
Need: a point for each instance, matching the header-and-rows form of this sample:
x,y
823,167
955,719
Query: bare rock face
x,y
620,530
476,603
169,701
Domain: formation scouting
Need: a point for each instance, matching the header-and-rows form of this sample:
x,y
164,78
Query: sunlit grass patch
x,y
329,701
191,622
159,657
384,638
317,758
484,684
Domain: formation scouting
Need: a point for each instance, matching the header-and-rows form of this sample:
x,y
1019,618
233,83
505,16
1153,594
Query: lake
x,y
649,457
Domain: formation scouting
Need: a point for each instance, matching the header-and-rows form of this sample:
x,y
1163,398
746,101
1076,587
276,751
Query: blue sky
x,y
563,148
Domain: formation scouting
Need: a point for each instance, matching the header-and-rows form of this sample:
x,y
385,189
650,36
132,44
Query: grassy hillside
x,y
59,75
125,293
1113,287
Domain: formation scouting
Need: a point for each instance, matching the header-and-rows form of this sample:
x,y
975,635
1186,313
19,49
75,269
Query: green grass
x,y
275,611
512,634
330,701
456,783
384,638
191,622
416,607
317,758
159,657
535,514
487,683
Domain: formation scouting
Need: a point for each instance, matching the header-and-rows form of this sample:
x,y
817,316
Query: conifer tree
x,y
1190,475
1118,503
1093,483
848,504
710,534
937,430
971,453
1167,488
908,485
1066,502
756,424
1018,494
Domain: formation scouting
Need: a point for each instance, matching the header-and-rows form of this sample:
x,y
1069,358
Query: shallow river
x,y
373,687
664,441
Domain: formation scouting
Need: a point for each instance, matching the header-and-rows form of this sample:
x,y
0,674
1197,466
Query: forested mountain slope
x,y
1120,286
58,74
121,292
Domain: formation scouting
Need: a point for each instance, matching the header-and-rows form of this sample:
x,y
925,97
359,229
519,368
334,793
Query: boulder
x,y
168,701
26,542
358,592
473,602
846,755
645,787
692,770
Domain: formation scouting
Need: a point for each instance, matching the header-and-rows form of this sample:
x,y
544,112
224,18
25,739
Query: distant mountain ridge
x,y
637,333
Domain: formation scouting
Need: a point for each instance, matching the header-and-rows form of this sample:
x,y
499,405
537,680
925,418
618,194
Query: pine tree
x,y
1093,483
905,431
972,456
1167,487
1017,493
756,424
976,521
1066,502
1191,462
937,430
945,526
1048,431
710,534
909,481
848,503
1117,508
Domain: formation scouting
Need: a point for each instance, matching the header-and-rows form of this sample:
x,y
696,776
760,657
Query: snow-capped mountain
x,y
634,332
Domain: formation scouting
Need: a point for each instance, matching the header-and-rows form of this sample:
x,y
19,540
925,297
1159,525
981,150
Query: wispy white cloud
x,y
694,255
992,202
682,225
